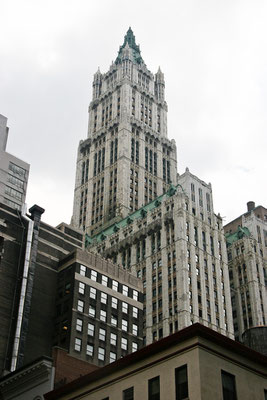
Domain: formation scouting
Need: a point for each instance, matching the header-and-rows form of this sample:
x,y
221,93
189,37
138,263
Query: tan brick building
x,y
195,363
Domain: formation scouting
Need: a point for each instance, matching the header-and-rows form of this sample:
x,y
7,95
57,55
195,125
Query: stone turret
x,y
97,83
159,85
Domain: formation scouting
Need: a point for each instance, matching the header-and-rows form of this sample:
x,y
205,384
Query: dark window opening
x,y
181,383
154,389
128,394
228,386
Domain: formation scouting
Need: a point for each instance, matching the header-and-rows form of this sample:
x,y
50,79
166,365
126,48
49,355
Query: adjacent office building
x,y
13,172
30,251
139,213
99,309
54,295
247,256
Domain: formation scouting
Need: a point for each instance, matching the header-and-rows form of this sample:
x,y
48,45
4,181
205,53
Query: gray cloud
x,y
212,55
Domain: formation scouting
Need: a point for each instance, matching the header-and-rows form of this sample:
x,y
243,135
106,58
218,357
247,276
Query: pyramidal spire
x,y
129,39
159,76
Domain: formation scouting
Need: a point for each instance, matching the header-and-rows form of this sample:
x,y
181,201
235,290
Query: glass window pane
x,y
128,394
154,389
228,386
181,383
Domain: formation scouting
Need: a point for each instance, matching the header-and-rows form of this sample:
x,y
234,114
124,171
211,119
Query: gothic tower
x,y
126,160
137,212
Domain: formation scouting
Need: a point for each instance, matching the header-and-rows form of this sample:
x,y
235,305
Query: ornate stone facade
x,y
247,254
127,159
138,212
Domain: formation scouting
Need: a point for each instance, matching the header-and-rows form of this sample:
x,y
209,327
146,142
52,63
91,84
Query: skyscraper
x,y
138,212
13,172
127,159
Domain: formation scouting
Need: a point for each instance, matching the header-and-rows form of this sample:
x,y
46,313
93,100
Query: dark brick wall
x,y
43,307
68,368
38,327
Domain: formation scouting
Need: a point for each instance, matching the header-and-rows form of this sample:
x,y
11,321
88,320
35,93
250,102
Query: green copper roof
x,y
239,234
130,39
139,214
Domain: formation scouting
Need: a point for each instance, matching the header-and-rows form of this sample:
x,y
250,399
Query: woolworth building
x,y
139,212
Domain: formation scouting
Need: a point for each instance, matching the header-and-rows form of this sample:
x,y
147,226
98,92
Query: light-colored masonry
x,y
137,211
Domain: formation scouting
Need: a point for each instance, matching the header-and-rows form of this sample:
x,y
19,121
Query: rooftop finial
x,y
129,39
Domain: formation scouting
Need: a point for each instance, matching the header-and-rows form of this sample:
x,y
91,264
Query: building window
x,y
113,339
101,353
103,315
135,330
135,312
124,307
114,303
104,280
92,293
228,386
134,347
13,193
113,320
124,343
93,275
135,295
128,394
80,306
91,311
17,170
78,344
115,285
102,334
81,288
154,389
79,325
89,350
125,290
112,357
82,270
104,298
124,325
91,330
12,204
181,383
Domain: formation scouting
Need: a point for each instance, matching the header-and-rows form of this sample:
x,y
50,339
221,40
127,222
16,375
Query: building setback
x,y
14,173
247,256
195,363
181,259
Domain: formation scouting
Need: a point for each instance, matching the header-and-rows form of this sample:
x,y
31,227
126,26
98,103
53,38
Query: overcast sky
x,y
214,57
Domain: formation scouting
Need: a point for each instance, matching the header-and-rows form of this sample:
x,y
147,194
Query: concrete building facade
x,y
195,363
247,256
181,259
14,173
